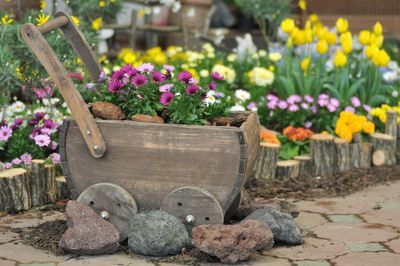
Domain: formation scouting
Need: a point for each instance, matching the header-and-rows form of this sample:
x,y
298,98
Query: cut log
x,y
383,149
50,192
305,165
42,183
266,163
322,155
398,145
360,154
287,169
391,123
14,190
62,188
342,156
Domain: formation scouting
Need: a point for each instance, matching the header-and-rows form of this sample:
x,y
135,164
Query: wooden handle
x,y
54,24
86,123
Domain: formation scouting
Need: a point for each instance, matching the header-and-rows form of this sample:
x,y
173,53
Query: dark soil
x,y
310,188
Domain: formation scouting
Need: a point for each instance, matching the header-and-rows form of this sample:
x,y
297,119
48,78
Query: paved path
x,y
360,230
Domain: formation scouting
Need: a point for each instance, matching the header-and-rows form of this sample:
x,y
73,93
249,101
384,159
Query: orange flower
x,y
297,134
268,137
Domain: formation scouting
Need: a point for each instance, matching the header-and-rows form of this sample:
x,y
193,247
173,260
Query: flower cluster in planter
x,y
178,97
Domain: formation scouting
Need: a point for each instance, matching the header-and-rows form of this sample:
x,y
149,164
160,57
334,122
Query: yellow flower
x,y
369,127
364,37
340,59
271,68
275,57
261,76
102,3
303,5
287,25
6,20
76,21
331,38
204,73
309,36
305,64
42,4
97,23
228,73
314,18
129,58
381,58
371,51
42,19
377,40
342,25
347,46
378,29
322,47
321,33
232,57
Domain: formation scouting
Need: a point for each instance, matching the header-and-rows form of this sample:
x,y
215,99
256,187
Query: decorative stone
x,y
283,226
233,243
107,111
88,233
157,233
147,118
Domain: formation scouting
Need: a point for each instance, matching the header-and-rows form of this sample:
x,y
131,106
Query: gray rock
x,y
233,243
157,233
289,232
88,233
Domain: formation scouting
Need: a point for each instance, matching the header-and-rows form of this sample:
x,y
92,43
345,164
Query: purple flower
x,y
36,131
331,108
16,161
102,76
219,95
252,106
323,100
89,86
308,124
146,67
293,108
115,85
139,80
192,90
355,102
42,140
32,122
5,133
314,109
46,131
272,105
169,68
367,108
185,76
309,99
282,105
166,87
212,86
216,76
334,102
271,97
26,158
7,166
118,75
55,158
158,77
129,71
350,109
17,123
166,98
193,81
53,145
292,99
48,123
39,115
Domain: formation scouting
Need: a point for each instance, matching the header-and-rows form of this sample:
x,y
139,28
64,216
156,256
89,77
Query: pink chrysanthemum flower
x,y
212,86
55,158
42,140
5,133
118,75
166,87
114,86
185,76
166,98
192,90
7,166
216,76
146,67
26,158
158,77
139,80
16,161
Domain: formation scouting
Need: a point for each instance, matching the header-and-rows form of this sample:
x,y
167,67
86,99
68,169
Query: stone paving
x,y
359,230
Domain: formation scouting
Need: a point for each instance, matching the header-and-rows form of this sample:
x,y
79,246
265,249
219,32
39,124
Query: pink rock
x,y
233,243
88,233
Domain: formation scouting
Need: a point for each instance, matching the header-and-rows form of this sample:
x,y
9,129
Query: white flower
x,y
262,53
390,76
261,76
237,108
242,95
204,73
210,98
275,57
208,48
54,101
18,107
395,93
46,102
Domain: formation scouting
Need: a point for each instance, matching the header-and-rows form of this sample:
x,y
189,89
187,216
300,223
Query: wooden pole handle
x,y
56,70
54,24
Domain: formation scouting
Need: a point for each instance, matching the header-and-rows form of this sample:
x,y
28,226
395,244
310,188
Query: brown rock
x,y
88,233
233,243
107,111
147,118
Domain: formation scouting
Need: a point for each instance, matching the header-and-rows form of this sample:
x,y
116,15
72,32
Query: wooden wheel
x,y
113,203
194,206
234,207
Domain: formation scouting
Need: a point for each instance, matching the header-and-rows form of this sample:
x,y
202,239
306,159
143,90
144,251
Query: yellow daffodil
x,y
342,25
287,25
305,63
378,29
340,59
6,20
76,21
97,23
303,5
102,3
42,19
331,38
322,47
364,37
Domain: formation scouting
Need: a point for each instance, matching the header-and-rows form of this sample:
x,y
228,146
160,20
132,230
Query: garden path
x,y
360,229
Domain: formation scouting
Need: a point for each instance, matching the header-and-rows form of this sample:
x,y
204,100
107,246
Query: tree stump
x,y
287,169
42,183
50,192
305,165
266,163
398,144
14,190
62,188
383,149
342,156
360,154
322,155
391,123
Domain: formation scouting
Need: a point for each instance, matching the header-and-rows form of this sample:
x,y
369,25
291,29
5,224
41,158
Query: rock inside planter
x,y
107,111
147,118
283,226
88,233
233,243
157,233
